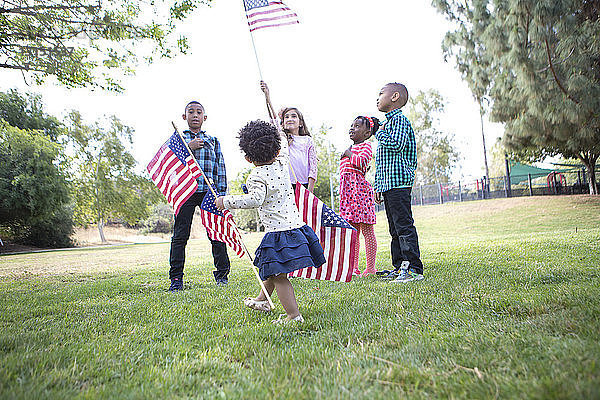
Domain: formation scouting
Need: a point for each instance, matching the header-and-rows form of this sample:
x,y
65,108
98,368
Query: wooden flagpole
x,y
254,268
254,46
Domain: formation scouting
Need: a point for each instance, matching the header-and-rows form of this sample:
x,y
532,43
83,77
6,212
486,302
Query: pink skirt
x,y
357,200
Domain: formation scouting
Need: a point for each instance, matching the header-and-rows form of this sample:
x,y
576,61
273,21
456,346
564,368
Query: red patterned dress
x,y
357,200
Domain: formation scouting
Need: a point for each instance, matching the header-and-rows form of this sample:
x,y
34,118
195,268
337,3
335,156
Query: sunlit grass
x,y
510,308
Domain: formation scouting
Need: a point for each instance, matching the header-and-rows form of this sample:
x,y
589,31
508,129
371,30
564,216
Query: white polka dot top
x,y
270,190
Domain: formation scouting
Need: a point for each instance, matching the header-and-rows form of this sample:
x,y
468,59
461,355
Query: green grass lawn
x,y
510,308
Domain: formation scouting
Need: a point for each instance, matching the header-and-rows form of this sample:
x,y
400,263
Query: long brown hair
x,y
303,131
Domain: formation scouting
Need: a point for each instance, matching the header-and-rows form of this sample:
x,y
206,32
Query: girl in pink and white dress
x,y
357,200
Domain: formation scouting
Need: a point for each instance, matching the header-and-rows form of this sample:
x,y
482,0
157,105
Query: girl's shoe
x,y
356,272
258,305
369,271
284,320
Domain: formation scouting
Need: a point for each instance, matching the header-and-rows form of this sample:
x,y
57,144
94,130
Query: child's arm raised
x,y
270,109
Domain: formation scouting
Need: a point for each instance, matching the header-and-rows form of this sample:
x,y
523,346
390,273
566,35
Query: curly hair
x,y
259,140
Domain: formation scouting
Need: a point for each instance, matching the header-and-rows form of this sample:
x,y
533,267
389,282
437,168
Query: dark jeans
x,y
181,234
405,242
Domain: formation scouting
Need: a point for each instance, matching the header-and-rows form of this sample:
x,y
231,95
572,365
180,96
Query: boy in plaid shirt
x,y
207,151
396,161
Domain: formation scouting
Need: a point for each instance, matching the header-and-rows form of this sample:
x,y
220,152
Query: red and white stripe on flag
x,y
174,171
337,239
222,229
267,14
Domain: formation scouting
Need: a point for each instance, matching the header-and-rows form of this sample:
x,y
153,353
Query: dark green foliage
x,y
33,191
81,41
27,112
542,60
53,232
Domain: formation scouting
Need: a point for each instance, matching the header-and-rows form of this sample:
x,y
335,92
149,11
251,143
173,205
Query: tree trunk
x,y
589,160
100,219
592,174
101,229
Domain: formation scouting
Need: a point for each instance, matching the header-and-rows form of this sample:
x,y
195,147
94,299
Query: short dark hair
x,y
260,141
402,90
193,102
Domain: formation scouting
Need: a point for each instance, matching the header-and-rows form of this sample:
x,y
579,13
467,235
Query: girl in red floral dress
x,y
357,200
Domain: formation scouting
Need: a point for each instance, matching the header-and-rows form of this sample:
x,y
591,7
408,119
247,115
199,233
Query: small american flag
x,y
337,238
174,171
220,224
266,14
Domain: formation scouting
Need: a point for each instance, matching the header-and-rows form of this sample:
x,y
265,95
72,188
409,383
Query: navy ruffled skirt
x,y
286,251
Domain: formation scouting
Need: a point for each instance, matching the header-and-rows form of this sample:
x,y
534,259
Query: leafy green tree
x,y
545,72
27,112
436,155
328,175
81,41
34,194
104,182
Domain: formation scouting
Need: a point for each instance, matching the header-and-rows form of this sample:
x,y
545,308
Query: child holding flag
x,y
357,203
289,244
302,151
207,151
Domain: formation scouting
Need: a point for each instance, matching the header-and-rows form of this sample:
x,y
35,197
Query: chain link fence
x,y
554,183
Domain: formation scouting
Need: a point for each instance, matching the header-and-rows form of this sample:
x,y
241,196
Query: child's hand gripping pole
x,y
210,186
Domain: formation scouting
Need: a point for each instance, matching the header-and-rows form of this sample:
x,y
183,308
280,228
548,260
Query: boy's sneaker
x,y
407,275
393,274
176,285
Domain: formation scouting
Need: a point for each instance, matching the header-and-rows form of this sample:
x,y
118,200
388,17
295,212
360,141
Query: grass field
x,y
510,308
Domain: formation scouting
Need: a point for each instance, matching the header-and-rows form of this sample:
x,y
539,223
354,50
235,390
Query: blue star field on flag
x,y
250,4
331,219
208,204
178,148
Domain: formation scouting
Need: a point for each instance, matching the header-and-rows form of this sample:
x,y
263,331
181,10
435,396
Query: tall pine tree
x,y
544,70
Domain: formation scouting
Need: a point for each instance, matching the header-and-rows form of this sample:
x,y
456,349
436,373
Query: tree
x,y
546,74
81,41
34,194
27,112
328,176
105,184
469,53
436,154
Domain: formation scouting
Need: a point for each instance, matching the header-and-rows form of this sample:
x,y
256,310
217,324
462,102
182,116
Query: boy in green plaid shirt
x,y
396,161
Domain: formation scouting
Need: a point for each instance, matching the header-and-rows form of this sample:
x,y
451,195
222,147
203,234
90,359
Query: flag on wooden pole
x,y
174,171
267,14
336,235
220,225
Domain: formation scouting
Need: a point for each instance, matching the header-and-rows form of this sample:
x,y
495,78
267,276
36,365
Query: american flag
x,y
266,14
337,238
220,225
174,171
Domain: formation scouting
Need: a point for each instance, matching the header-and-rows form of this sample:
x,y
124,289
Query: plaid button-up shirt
x,y
211,161
396,157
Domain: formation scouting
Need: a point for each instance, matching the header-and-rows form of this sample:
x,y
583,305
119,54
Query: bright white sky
x,y
331,66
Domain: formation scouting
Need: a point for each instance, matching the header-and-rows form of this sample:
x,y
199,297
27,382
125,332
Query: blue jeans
x,y
405,241
181,234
